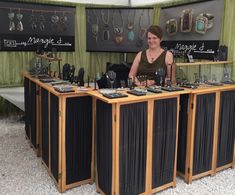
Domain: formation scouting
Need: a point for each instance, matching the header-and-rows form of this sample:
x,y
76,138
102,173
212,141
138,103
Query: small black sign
x,y
206,49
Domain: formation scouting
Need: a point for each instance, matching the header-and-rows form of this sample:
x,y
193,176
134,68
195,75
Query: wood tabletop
x,y
82,91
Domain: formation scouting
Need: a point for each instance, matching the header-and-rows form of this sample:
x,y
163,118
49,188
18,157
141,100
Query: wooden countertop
x,y
131,98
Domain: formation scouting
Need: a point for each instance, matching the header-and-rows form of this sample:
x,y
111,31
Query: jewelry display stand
x,y
51,59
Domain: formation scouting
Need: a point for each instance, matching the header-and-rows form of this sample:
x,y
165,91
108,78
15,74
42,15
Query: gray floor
x,y
21,172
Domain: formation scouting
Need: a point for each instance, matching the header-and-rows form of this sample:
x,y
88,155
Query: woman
x,y
149,61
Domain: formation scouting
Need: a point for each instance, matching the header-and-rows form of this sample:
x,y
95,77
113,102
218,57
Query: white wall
x,y
104,2
119,2
147,2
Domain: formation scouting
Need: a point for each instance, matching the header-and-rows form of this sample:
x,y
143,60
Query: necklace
x,y
130,21
118,30
94,26
106,33
154,54
130,26
152,58
142,28
105,20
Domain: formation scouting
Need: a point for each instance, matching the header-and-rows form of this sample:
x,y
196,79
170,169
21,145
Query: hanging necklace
x,y
118,30
105,20
94,26
130,26
106,25
142,28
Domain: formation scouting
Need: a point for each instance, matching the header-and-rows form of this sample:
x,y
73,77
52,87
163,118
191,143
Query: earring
x,y
41,22
54,21
33,20
19,17
11,16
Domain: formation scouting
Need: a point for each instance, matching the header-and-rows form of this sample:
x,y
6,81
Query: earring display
x,y
11,16
201,24
171,27
186,20
118,28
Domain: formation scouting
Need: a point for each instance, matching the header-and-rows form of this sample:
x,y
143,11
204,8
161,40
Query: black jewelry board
x,y
28,27
117,29
193,28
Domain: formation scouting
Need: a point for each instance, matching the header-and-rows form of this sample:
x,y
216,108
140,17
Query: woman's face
x,y
153,40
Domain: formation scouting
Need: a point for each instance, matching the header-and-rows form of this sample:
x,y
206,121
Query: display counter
x,y
140,142
136,142
62,125
206,132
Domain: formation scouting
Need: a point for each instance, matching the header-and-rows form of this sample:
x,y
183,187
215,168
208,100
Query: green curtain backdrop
x,y
13,63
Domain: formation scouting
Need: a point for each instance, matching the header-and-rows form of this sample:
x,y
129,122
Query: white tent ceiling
x,y
118,2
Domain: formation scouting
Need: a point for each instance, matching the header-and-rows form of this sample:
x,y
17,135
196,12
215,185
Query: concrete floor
x,y
22,173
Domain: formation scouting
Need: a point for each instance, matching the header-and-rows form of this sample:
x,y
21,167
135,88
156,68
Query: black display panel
x,y
28,27
116,29
193,28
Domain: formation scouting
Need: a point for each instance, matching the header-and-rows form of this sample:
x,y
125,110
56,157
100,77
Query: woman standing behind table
x,y
147,62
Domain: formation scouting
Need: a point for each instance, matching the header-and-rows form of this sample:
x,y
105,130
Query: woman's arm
x,y
170,66
135,66
134,69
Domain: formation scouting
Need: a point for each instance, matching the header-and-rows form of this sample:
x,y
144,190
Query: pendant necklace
x,y
105,21
130,25
142,28
118,30
94,26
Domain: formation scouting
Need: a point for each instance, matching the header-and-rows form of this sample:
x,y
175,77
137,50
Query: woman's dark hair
x,y
156,30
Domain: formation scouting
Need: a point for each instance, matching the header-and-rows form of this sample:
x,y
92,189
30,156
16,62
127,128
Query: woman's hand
x,y
143,83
